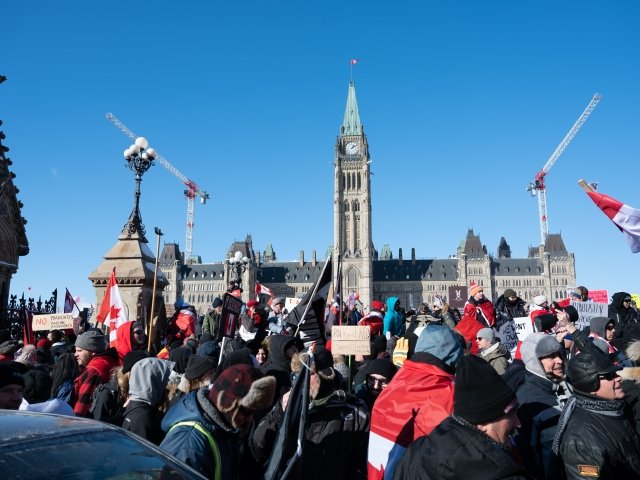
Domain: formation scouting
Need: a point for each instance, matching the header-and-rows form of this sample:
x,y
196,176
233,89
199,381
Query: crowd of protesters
x,y
438,397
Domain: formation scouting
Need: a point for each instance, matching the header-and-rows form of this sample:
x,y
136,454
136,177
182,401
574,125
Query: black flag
x,y
286,454
308,315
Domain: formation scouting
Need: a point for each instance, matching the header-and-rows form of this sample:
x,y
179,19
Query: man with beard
x,y
205,427
509,306
541,397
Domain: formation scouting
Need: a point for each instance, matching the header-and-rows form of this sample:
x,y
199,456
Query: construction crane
x,y
191,192
538,187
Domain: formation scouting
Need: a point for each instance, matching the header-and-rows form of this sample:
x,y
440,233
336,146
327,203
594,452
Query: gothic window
x,y
358,182
346,206
353,180
347,231
356,206
348,181
356,231
352,280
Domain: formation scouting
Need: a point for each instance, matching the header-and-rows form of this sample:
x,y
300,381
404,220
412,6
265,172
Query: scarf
x,y
505,447
610,408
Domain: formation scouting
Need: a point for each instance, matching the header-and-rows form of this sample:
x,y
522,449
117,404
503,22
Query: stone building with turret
x,y
548,270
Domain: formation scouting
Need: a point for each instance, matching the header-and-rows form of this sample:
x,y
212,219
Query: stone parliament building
x,y
548,269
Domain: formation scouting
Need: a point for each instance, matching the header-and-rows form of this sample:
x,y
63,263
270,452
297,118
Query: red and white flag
x,y
112,311
354,61
262,289
626,218
69,302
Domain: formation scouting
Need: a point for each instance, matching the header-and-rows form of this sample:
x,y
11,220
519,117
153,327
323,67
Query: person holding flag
x,y
112,311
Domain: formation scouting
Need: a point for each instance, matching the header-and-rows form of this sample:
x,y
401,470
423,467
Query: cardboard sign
x,y
350,340
231,308
523,327
458,297
56,321
589,310
599,296
291,303
508,336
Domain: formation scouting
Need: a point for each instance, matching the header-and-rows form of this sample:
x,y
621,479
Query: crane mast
x,y
191,192
538,187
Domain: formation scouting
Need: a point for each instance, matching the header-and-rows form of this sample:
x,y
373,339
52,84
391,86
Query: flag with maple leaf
x,y
112,311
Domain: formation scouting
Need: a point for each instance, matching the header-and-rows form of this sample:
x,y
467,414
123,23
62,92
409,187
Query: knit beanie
x,y
241,385
9,376
131,358
548,345
510,293
92,340
382,366
208,349
198,366
481,395
539,300
474,288
487,334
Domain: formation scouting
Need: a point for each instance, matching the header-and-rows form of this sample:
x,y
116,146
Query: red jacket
x,y
418,398
482,311
98,371
468,328
374,321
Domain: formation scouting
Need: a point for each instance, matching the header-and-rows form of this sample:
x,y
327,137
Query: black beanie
x,y
131,358
10,376
481,395
199,365
382,366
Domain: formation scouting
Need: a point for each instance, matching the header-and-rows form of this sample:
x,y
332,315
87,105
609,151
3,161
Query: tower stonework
x,y
352,205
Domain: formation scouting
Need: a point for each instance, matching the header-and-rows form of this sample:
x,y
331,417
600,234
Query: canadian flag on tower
x,y
112,311
354,61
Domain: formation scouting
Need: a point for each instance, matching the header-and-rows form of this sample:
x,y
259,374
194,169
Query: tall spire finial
x,y
351,123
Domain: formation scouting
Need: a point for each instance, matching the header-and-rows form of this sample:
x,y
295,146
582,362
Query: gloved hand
x,y
400,352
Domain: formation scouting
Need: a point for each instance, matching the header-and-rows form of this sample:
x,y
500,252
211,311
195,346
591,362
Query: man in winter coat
x,y
418,399
11,387
509,306
594,437
379,373
212,320
95,362
147,387
622,311
394,321
474,442
492,351
479,307
335,434
541,398
205,428
281,350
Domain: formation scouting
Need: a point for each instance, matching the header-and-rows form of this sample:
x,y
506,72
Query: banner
x,y
589,310
60,321
458,297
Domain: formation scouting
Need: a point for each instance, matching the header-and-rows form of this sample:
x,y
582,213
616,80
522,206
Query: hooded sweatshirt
x,y
393,321
147,385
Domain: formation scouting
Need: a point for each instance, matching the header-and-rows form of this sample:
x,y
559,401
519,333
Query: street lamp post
x,y
139,157
238,265
153,297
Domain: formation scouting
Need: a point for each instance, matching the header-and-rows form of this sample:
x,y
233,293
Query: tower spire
x,y
351,123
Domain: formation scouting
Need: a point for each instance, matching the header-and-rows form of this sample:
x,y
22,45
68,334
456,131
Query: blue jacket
x,y
393,321
191,446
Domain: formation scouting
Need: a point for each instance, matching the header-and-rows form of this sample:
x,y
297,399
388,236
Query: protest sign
x,y
59,321
599,296
350,340
291,303
231,308
523,327
508,336
589,310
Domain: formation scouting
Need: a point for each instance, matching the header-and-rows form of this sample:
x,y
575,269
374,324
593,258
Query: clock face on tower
x,y
352,148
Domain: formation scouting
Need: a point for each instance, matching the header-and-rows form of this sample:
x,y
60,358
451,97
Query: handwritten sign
x,y
291,303
599,296
231,308
509,336
350,340
59,321
589,310
523,327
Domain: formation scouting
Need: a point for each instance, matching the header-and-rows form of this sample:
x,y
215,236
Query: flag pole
x,y
315,289
585,186
153,296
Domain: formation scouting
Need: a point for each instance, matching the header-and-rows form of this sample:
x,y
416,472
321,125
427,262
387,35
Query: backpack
x,y
106,405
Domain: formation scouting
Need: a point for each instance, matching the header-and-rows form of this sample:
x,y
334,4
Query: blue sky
x,y
462,102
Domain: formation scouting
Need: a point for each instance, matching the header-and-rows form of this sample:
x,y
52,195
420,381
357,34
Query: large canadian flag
x,y
261,289
626,218
112,310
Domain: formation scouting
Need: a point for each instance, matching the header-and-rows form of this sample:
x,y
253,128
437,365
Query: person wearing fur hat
x,y
595,437
474,441
426,380
479,307
336,428
492,350
11,387
95,362
509,306
205,427
541,397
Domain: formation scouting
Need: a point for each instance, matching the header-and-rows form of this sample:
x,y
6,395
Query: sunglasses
x,y
609,376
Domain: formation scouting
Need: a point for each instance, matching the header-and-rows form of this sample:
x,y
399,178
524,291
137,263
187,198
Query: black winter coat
x,y
506,311
454,451
623,317
594,442
143,420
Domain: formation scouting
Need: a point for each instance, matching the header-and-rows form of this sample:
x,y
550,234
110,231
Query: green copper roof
x,y
351,124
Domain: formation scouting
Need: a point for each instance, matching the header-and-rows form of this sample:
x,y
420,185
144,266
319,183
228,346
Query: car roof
x,y
20,425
